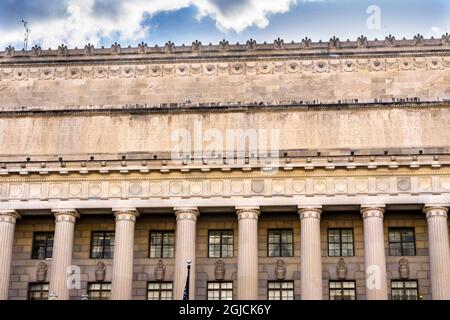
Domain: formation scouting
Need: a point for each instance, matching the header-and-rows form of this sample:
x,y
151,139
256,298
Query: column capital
x,y
372,211
248,212
9,216
65,215
129,214
309,212
186,213
432,210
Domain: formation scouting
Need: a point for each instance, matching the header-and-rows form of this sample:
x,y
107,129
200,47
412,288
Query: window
x,y
342,290
220,243
220,290
99,290
281,290
402,242
42,245
404,290
280,243
159,291
340,243
38,291
162,244
102,245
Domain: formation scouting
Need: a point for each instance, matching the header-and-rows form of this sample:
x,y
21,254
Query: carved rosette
x,y
187,213
435,211
9,216
372,212
69,215
126,214
309,212
248,213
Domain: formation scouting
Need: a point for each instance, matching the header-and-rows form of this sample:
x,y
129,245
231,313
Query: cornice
x,y
219,107
289,165
224,49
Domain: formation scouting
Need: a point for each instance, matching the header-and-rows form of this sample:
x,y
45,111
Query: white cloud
x,y
88,21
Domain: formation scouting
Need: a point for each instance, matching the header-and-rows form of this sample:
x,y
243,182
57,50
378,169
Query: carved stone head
x,y
219,271
403,268
280,270
41,272
341,269
100,271
160,271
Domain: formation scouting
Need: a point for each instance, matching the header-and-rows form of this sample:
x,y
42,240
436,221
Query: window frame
x,y
101,283
280,289
33,245
103,246
159,290
400,229
403,289
280,243
342,289
220,290
341,242
161,252
221,242
31,284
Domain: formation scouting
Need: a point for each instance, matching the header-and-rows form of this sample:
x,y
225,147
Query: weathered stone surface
x,y
299,129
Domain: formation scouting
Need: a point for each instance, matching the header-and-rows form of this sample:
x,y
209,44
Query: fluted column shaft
x,y
122,273
311,256
374,253
185,250
7,223
247,276
439,251
62,253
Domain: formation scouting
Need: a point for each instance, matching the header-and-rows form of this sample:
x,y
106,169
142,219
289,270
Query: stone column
x,y
374,253
62,252
122,273
439,251
247,275
185,250
311,255
7,223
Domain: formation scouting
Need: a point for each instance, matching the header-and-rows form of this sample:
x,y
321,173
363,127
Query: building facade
x,y
311,170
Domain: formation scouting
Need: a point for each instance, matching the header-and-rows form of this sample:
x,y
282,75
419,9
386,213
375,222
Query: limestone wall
x,y
83,134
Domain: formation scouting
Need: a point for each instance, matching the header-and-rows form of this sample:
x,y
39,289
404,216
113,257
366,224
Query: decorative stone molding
x,y
341,269
160,271
219,270
309,212
346,64
65,215
248,213
280,270
187,213
41,272
100,271
403,268
129,214
432,211
9,216
21,191
372,211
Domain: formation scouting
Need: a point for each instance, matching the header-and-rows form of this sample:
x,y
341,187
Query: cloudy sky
x,y
103,22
